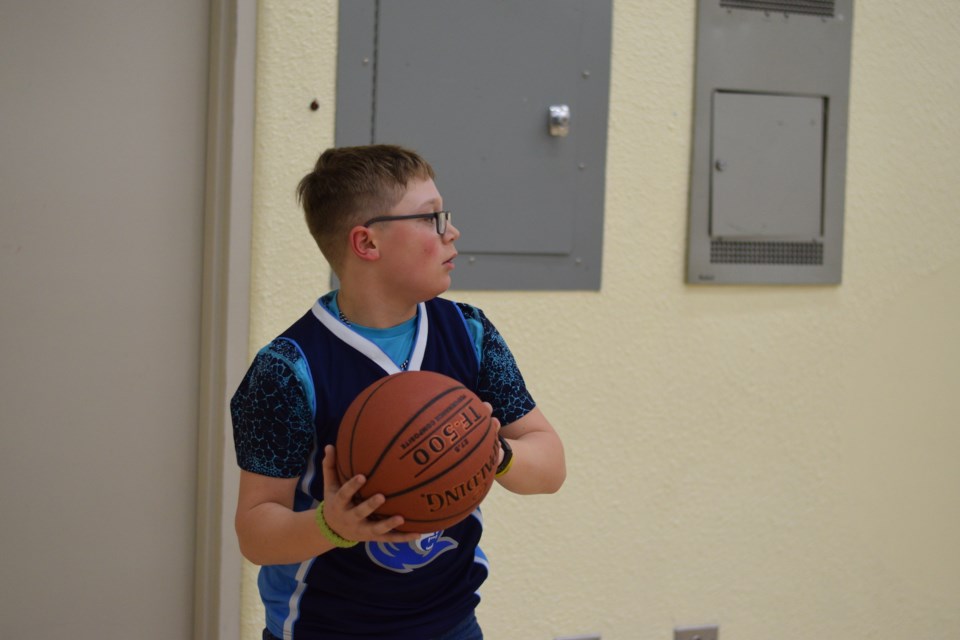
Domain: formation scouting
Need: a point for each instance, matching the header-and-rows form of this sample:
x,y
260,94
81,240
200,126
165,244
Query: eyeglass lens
x,y
442,218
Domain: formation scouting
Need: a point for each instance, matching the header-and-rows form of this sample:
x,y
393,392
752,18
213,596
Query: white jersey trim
x,y
370,349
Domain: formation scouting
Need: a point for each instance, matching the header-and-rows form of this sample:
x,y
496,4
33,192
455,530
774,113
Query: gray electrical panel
x,y
508,101
769,144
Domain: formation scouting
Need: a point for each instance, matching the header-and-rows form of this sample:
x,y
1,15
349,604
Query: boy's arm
x,y
538,460
268,529
271,532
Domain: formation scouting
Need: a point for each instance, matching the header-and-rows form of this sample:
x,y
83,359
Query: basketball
x,y
425,442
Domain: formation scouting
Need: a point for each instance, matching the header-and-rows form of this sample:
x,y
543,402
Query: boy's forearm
x,y
538,464
270,533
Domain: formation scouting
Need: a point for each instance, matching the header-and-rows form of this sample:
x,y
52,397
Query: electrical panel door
x,y
508,101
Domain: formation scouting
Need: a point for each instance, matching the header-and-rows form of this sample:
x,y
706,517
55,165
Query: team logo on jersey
x,y
404,558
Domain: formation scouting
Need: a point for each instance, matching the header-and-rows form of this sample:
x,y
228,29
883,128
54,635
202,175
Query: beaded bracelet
x,y
330,534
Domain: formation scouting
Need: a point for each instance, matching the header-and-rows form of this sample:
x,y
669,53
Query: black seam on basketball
x,y
440,475
448,451
389,445
353,430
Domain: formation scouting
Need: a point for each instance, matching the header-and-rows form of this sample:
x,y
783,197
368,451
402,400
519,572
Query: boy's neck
x,y
373,311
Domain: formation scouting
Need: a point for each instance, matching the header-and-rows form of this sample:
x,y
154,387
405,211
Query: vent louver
x,y
807,7
746,252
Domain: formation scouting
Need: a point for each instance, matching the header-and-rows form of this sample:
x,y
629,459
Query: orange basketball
x,y
425,442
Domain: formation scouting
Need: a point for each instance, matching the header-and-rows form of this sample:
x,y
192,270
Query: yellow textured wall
x,y
778,460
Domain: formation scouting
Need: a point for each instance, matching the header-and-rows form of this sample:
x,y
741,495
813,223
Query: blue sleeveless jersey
x,y
374,590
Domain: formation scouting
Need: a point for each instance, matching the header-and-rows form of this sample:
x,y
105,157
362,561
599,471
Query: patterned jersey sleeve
x,y
500,382
272,413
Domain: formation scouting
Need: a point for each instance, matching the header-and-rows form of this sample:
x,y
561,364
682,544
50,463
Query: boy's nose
x,y
452,232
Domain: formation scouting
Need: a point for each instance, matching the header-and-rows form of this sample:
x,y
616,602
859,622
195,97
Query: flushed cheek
x,y
430,250
422,259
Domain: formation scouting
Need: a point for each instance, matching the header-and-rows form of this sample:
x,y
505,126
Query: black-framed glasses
x,y
441,218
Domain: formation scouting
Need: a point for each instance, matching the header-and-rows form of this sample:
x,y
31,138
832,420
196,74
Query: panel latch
x,y
559,120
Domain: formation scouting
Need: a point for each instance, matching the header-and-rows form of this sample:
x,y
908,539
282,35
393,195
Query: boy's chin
x,y
440,289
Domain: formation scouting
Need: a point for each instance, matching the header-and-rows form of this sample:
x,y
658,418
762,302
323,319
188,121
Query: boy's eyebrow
x,y
434,203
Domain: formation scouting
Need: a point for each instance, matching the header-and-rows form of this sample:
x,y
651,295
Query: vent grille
x,y
743,252
808,7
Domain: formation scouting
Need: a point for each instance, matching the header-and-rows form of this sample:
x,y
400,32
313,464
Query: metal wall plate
x,y
696,633
473,86
768,159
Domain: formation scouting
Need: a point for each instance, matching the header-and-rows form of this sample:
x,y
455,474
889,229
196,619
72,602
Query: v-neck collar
x,y
369,348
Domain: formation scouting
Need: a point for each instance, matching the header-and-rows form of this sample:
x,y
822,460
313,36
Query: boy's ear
x,y
363,244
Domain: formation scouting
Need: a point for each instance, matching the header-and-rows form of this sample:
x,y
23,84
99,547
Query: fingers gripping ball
x,y
425,442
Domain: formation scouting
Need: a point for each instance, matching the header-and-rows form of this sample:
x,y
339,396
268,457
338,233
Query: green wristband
x,y
330,534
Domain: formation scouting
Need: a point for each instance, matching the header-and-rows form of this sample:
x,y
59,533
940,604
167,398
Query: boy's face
x,y
415,259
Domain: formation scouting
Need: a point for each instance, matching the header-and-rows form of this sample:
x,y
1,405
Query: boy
x,y
328,571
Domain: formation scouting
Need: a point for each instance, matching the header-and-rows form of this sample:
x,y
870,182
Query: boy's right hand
x,y
352,520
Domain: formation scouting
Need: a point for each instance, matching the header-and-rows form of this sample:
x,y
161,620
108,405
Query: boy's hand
x,y
350,520
496,425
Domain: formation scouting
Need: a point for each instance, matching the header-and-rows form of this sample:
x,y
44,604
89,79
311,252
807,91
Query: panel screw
x,y
366,61
585,74
720,166
314,105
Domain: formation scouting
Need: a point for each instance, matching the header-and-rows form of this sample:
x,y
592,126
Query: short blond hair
x,y
351,184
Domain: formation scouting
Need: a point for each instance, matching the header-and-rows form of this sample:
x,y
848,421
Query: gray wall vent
x,y
733,252
809,7
768,161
